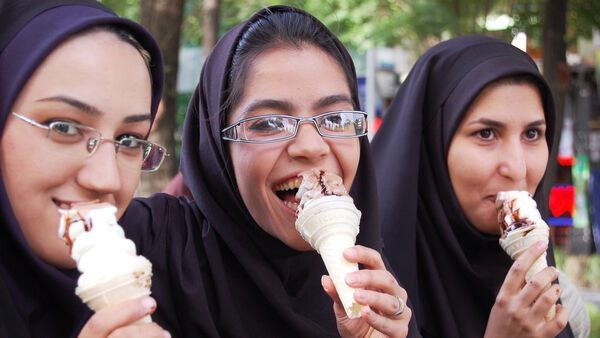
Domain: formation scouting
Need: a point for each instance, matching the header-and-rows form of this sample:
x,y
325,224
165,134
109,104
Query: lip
x,y
285,179
66,204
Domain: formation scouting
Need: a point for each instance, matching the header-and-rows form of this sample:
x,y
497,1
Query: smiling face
x,y
301,82
499,145
94,79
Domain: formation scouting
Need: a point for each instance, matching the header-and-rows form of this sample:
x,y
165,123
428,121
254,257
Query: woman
x,y
474,117
230,263
69,68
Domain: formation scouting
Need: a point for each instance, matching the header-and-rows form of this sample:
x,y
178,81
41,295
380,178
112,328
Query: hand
x,y
520,307
117,321
378,293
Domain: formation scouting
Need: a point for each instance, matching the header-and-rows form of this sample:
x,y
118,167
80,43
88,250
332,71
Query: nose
x,y
308,144
513,163
100,172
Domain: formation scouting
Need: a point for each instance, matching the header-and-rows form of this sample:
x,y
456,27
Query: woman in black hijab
x,y
457,275
230,263
63,64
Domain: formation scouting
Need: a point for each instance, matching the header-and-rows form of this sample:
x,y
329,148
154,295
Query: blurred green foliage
x,y
594,312
415,24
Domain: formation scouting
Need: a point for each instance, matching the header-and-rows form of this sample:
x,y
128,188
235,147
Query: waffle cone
x,y
518,241
330,225
118,289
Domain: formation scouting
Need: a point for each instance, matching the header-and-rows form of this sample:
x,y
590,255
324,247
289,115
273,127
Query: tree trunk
x,y
555,72
163,19
210,25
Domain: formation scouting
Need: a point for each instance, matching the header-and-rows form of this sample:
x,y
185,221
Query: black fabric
x,y
452,271
216,272
42,298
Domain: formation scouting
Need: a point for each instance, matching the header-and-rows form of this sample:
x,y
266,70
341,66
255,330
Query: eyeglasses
x,y
274,128
82,141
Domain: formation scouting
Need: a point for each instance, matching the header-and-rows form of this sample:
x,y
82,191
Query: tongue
x,y
288,196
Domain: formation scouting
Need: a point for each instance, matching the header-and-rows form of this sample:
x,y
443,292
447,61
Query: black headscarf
x,y
451,270
39,299
216,272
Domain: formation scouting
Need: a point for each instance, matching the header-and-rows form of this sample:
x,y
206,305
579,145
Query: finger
x,y
374,280
149,330
516,275
553,327
329,288
537,285
109,319
368,257
546,300
389,326
381,302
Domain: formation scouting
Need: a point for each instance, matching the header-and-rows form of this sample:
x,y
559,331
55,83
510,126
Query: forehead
x,y
96,68
506,100
298,76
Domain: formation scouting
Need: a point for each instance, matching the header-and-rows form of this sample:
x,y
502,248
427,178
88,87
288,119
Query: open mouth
x,y
287,190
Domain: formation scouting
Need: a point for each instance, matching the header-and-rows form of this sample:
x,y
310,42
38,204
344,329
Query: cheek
x,y
129,183
348,157
251,168
536,167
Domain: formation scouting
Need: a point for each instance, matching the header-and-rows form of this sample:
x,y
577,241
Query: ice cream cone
x,y
330,224
118,289
517,207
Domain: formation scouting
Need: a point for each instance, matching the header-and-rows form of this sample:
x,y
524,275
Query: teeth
x,y
64,206
289,185
291,205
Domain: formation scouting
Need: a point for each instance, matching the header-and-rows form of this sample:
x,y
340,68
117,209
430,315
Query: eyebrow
x,y
329,100
91,110
84,107
286,106
493,123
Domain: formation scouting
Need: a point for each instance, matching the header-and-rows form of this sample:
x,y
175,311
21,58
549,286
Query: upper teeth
x,y
293,183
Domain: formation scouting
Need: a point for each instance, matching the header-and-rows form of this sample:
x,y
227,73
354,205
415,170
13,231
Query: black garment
x,y
38,299
451,270
216,272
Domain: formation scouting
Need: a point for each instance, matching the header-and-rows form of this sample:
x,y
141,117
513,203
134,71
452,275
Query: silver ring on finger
x,y
401,306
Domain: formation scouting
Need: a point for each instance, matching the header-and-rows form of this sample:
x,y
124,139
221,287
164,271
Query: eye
x,y
532,134
333,122
64,128
485,134
267,124
130,142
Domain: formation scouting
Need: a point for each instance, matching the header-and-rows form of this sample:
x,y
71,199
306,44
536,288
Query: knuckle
x,y
535,284
390,278
94,324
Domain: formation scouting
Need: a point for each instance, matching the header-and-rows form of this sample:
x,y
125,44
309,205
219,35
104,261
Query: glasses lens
x,y
153,157
266,128
345,124
72,139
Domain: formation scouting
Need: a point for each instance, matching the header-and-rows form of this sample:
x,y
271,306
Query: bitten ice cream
x,y
522,226
111,272
327,219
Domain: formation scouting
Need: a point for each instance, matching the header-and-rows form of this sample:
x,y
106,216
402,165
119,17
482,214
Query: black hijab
x,y
216,272
39,299
451,270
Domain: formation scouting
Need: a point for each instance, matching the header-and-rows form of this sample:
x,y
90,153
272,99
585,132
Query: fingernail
x,y
541,245
166,334
149,305
351,253
352,279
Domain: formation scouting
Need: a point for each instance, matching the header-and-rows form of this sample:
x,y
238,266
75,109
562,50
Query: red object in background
x,y
376,124
562,200
566,160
